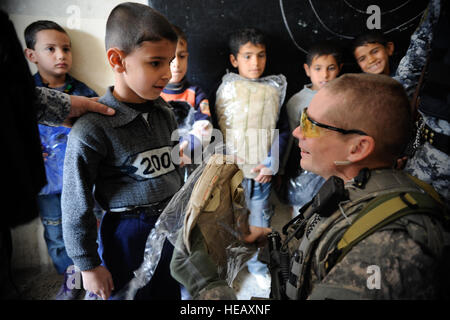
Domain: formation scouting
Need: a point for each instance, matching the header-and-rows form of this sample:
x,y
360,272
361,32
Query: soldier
x,y
371,232
396,261
428,54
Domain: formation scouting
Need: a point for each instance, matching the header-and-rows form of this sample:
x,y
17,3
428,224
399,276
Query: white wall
x,y
84,21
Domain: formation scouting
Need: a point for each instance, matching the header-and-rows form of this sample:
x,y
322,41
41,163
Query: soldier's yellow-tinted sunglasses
x,y
313,129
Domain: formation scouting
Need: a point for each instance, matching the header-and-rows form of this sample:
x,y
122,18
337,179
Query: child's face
x,y
323,69
374,57
250,60
146,71
179,65
52,53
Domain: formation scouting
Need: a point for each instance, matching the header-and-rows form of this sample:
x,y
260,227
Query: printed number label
x,y
153,163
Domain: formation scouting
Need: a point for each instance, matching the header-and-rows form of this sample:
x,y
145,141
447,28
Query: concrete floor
x,y
34,277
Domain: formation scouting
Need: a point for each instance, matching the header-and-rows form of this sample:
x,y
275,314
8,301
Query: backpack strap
x,y
381,211
235,183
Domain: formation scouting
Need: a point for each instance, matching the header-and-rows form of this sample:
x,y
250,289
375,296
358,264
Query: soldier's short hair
x,y
129,24
377,105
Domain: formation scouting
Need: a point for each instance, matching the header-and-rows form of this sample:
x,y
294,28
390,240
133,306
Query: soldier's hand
x,y
257,235
81,105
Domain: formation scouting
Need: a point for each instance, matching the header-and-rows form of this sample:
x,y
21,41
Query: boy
x,y
248,110
49,47
372,51
323,64
189,103
126,157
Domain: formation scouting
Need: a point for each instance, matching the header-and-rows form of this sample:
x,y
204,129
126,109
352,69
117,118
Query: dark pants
x,y
121,248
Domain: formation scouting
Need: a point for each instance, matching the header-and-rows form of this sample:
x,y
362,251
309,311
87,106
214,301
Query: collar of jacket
x,y
39,83
125,114
179,87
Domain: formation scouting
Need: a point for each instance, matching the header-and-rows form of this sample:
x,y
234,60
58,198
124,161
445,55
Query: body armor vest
x,y
325,239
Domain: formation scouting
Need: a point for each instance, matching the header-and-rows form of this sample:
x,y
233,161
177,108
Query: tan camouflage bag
x,y
217,207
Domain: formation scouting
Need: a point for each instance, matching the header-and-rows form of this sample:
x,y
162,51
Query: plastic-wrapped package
x,y
221,225
197,132
303,188
247,112
54,143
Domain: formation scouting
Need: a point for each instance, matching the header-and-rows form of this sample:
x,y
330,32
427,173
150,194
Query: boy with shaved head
x,y
126,158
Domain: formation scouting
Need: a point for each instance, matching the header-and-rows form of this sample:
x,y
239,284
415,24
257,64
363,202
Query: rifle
x,y
278,263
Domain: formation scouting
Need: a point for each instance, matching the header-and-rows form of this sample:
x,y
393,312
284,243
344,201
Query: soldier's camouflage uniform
x,y
407,254
52,106
407,259
428,163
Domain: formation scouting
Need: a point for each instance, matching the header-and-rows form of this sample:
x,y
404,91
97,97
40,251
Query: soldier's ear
x,y
360,148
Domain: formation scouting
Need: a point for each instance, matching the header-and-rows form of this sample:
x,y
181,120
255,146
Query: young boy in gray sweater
x,y
126,159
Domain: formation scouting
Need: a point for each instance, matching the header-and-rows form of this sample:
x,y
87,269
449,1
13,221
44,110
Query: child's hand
x,y
183,158
401,163
44,153
98,281
264,174
202,130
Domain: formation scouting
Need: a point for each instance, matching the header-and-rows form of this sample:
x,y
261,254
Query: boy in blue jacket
x,y
49,47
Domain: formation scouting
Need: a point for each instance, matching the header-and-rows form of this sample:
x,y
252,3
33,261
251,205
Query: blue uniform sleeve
x,y
411,65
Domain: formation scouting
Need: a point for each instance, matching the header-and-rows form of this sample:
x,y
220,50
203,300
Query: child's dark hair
x,y
370,36
32,29
324,48
129,24
180,33
242,36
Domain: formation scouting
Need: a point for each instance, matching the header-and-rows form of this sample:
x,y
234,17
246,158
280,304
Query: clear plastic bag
x,y
303,188
169,226
198,133
54,143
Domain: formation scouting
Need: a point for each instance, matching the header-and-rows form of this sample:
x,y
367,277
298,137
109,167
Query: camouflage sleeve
x,y
52,106
385,265
197,272
411,65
